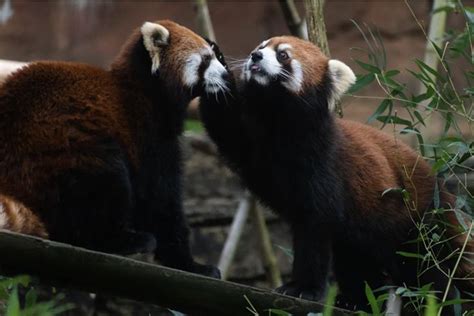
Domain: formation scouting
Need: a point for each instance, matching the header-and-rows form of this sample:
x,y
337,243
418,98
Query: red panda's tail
x,y
16,217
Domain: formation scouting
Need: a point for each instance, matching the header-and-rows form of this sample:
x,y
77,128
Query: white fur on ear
x,y
155,36
342,79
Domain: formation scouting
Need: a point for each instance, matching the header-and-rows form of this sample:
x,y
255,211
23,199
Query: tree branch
x,y
67,266
204,20
316,25
293,19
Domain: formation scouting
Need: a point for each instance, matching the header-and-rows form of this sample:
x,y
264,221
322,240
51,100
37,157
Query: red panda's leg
x,y
353,267
159,209
93,206
311,261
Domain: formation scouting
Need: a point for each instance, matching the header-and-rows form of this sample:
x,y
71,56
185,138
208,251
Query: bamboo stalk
x,y
435,37
317,32
204,20
269,259
435,34
316,26
235,232
295,24
67,266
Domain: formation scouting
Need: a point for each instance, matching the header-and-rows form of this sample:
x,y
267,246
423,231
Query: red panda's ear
x,y
342,78
155,37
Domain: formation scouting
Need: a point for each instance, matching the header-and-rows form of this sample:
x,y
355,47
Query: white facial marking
x,y
270,67
190,71
295,81
342,78
3,217
264,43
213,80
154,34
269,61
284,46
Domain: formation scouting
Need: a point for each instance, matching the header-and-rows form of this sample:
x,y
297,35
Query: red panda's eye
x,y
282,56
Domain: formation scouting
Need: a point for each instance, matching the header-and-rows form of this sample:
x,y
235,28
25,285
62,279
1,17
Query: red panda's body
x,y
53,114
352,195
92,157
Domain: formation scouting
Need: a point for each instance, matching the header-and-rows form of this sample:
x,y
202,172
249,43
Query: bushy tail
x,y
16,217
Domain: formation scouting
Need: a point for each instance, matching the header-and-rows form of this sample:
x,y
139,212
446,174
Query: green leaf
x,y
419,117
372,300
381,109
436,198
410,254
391,73
370,68
394,120
13,304
30,298
431,308
330,301
469,12
361,82
394,190
278,312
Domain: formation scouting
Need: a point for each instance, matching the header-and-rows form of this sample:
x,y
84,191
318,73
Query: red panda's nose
x,y
256,56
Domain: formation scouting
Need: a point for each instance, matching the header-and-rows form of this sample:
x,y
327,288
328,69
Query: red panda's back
x,y
374,162
51,115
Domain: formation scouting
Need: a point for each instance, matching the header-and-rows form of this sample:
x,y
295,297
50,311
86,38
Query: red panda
x,y
329,178
91,157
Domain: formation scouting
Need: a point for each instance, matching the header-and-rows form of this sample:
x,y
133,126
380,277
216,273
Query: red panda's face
x,y
182,56
297,65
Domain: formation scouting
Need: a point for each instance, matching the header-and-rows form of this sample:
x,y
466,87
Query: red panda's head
x,y
180,55
297,65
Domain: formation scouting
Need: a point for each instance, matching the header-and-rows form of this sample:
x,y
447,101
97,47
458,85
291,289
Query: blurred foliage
x,y
194,126
14,304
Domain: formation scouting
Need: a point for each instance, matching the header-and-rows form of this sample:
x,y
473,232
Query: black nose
x,y
225,76
256,56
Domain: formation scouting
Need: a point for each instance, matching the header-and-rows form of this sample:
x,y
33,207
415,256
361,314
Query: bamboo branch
x,y
316,26
317,31
235,232
269,258
204,20
67,266
435,35
293,19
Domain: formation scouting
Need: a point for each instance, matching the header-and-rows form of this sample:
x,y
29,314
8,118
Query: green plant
x,y
10,299
410,113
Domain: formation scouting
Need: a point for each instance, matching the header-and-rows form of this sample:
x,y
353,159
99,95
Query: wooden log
x,y
67,266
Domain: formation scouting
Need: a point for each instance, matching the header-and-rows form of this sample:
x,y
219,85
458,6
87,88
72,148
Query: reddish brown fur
x,y
382,161
53,132
21,219
59,121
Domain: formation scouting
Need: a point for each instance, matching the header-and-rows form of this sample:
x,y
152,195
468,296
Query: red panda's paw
x,y
206,270
305,292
